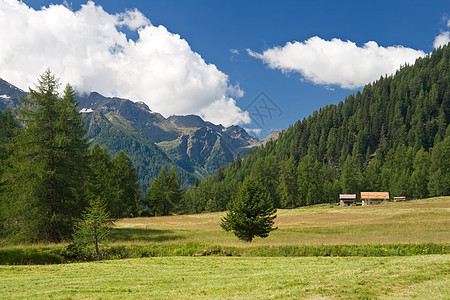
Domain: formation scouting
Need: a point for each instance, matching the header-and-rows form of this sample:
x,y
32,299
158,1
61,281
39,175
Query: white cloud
x,y
337,62
132,19
222,109
254,131
88,49
235,91
442,39
234,51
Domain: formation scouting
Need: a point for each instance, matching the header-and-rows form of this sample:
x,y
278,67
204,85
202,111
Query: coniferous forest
x,y
49,177
393,136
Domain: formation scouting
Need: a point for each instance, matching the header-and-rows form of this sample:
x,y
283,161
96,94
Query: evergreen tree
x,y
219,198
265,172
46,177
164,194
288,182
439,182
93,230
128,194
251,213
175,194
351,176
419,177
100,183
331,191
372,178
397,169
155,198
310,181
8,126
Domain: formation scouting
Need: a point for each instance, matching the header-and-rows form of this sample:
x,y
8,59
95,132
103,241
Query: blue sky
x,y
245,41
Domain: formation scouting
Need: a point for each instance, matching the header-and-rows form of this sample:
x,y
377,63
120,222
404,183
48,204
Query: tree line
x,y
393,136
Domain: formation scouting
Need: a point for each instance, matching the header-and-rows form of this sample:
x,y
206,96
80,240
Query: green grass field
x,y
421,277
268,268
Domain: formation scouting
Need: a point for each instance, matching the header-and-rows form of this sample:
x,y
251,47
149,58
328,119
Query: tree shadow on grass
x,y
146,235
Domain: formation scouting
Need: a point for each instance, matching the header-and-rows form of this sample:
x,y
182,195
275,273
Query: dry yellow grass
x,y
418,221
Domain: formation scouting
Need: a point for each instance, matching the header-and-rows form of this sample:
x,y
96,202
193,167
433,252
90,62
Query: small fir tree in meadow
x,y
94,229
251,214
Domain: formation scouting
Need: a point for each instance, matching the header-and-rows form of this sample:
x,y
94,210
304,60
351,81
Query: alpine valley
x,y
196,148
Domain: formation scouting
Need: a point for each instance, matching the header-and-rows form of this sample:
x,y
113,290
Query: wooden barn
x,y
399,199
370,198
347,199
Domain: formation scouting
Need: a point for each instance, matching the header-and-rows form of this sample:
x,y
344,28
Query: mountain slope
x,y
195,147
152,124
118,134
9,95
204,147
198,146
394,136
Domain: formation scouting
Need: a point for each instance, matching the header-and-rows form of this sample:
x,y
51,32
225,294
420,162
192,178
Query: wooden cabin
x,y
399,199
347,199
371,198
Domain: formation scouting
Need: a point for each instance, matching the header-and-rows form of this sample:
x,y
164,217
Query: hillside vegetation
x,y
118,134
394,136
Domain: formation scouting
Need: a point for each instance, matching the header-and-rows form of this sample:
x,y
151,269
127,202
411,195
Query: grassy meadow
x,y
186,257
421,277
419,221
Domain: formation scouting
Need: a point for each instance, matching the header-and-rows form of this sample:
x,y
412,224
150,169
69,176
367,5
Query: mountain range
x,y
196,148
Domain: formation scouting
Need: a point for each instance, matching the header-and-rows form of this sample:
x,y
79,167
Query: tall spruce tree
x,y
289,184
100,183
164,194
351,176
419,177
175,192
8,126
46,178
310,181
439,183
251,213
128,194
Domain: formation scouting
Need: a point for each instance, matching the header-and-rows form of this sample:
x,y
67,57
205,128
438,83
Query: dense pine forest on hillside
x,y
394,136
